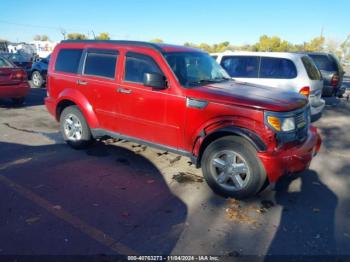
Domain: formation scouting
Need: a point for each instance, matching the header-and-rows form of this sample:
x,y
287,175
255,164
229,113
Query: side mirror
x,y
154,80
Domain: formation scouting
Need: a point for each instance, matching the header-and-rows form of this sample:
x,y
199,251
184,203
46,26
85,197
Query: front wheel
x,y
74,128
232,168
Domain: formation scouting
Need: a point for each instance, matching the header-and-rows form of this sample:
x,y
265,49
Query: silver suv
x,y
288,71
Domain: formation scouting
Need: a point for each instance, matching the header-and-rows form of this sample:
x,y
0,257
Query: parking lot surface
x,y
119,197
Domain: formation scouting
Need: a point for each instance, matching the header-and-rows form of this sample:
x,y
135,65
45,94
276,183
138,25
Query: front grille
x,y
300,120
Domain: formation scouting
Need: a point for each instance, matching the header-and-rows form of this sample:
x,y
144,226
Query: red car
x,y
13,82
179,99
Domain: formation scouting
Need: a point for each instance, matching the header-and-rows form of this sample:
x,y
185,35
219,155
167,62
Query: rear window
x,y
100,64
281,68
324,62
241,66
68,60
5,64
311,69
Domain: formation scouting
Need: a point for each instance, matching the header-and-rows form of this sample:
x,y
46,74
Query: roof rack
x,y
118,42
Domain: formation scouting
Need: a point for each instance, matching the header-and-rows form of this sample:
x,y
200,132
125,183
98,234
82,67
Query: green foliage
x,y
103,36
316,44
76,36
157,40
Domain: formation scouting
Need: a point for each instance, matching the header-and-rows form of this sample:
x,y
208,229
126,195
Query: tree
x,y
316,44
157,40
76,36
103,36
44,38
37,37
272,44
41,38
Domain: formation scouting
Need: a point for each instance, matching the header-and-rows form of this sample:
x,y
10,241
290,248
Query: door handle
x,y
123,90
82,83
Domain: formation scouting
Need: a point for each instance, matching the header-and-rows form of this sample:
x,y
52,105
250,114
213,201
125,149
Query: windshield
x,y
195,68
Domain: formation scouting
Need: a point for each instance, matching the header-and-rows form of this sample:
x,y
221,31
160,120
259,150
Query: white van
x,y
289,71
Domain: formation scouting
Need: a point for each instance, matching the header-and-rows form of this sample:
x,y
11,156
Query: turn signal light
x,y
305,91
274,122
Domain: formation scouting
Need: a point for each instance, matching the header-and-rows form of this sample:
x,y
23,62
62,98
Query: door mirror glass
x,y
154,80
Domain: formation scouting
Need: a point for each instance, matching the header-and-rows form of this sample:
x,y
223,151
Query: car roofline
x,y
160,47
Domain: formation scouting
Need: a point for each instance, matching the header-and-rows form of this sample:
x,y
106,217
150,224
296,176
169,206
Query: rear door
x,y
279,73
242,68
98,84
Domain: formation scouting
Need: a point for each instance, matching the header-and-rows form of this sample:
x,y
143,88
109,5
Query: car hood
x,y
249,95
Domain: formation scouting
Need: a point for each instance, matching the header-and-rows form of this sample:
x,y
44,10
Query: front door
x,y
142,110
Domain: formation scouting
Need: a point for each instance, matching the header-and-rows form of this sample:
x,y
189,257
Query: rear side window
x,y
68,60
241,66
311,69
280,68
5,64
137,65
324,62
100,64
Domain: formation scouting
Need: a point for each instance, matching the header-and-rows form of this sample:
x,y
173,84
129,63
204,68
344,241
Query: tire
x,y
37,79
74,128
18,101
253,174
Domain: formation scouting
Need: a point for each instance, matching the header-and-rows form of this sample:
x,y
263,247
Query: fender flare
x,y
83,104
247,134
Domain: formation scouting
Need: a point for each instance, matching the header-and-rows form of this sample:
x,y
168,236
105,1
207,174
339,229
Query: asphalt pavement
x,y
119,197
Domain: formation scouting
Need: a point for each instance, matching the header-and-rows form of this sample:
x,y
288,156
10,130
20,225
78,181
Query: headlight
x,y
281,124
288,124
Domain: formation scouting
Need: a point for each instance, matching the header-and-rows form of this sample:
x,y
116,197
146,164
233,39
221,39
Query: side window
x,y
68,60
311,69
137,65
281,68
100,64
241,66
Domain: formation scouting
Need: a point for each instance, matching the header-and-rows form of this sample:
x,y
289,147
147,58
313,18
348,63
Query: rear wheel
x,y
232,168
74,128
37,79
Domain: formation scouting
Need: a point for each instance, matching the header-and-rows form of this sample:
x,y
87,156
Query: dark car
x,y
39,71
332,73
179,99
21,60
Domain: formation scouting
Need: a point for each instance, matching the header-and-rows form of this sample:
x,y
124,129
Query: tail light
x,y
335,80
305,91
19,75
29,65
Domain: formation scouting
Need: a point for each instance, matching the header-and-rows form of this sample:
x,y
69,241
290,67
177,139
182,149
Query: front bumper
x,y
14,91
291,160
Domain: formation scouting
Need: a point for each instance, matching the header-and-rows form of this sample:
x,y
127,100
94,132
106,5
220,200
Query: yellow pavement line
x,y
91,231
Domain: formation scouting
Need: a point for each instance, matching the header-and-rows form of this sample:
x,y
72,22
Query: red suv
x,y
179,99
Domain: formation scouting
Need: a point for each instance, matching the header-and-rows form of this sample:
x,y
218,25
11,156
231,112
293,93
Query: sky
x,y
177,22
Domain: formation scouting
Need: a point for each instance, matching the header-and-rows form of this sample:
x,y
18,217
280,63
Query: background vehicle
x,y
39,71
3,47
332,72
287,71
13,81
179,99
21,60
